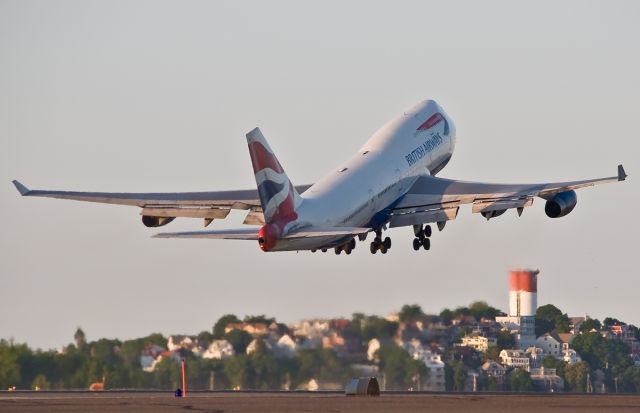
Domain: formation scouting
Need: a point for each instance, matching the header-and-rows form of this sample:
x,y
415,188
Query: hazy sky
x,y
157,96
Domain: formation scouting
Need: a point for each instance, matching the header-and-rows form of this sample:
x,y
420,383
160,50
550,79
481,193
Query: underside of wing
x,y
240,233
164,206
433,199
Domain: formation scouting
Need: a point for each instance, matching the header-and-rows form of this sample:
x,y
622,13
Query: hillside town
x,y
474,348
486,345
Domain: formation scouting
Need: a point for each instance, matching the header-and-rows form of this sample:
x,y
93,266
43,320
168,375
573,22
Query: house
x,y
551,344
255,329
479,343
219,349
252,347
285,347
545,379
311,329
183,342
515,358
435,380
495,370
536,354
570,356
575,323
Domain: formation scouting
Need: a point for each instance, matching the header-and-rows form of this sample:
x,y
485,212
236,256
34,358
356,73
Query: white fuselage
x,y
360,191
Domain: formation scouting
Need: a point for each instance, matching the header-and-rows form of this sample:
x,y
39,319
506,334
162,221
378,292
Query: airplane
x,y
390,182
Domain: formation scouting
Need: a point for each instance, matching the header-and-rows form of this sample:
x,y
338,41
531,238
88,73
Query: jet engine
x,y
151,221
561,204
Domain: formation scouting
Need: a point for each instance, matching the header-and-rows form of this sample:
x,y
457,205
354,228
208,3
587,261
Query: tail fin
x,y
278,196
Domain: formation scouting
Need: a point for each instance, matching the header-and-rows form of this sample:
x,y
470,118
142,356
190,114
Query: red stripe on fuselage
x,y
431,122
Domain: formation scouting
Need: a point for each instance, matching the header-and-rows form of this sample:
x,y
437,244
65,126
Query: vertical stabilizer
x,y
278,196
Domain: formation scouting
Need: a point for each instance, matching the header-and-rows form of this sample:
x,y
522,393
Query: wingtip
x,y
21,188
622,175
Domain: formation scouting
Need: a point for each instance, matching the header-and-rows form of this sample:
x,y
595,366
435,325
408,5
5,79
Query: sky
x,y
158,95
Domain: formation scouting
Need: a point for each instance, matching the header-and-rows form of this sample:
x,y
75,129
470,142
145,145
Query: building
x,y
551,344
546,380
479,343
523,303
496,371
515,358
536,355
219,349
435,380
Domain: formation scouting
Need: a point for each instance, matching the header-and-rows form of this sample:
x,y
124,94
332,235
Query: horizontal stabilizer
x,y
327,232
21,188
240,233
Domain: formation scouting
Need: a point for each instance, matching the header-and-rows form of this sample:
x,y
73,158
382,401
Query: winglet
x,y
622,175
21,188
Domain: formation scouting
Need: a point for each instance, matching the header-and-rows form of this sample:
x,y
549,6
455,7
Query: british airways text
x,y
422,150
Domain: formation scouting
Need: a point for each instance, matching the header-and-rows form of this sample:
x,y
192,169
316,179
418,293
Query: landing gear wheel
x,y
323,250
416,244
383,248
347,251
373,248
338,250
352,243
313,250
427,231
387,243
426,244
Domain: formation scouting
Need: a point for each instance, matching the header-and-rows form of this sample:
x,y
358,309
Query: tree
x,y
480,309
221,324
80,339
409,312
9,367
590,324
609,321
446,315
575,376
41,383
455,375
549,318
239,339
399,368
261,318
519,380
238,371
505,340
600,352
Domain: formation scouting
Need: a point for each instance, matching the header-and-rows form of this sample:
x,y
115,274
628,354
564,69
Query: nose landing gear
x,y
422,237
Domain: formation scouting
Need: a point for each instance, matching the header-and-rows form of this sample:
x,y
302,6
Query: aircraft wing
x,y
433,199
207,205
252,234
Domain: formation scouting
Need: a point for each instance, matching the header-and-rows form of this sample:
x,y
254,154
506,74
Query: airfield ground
x,y
111,401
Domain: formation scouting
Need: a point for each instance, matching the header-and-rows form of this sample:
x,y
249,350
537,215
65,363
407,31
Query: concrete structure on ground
x,y
523,303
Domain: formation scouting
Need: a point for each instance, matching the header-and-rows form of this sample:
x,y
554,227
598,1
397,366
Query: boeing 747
x,y
390,182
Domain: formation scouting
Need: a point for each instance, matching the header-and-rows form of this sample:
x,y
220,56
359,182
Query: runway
x,y
218,402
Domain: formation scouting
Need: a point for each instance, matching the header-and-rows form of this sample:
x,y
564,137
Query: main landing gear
x,y
379,244
347,247
422,237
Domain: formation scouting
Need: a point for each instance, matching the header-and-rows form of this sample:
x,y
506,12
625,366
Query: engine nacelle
x,y
151,221
561,204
